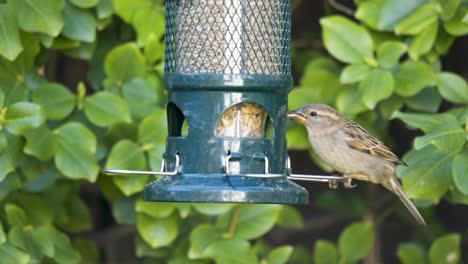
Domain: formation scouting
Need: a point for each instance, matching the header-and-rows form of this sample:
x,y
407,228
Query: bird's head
x,y
316,117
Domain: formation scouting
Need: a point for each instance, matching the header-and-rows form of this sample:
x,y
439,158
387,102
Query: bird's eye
x,y
313,113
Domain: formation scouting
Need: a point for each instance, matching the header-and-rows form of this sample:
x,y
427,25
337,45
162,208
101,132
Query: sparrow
x,y
351,150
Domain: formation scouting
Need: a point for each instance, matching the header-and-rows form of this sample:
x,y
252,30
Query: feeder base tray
x,y
220,188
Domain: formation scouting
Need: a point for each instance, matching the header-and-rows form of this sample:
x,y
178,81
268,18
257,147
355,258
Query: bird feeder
x,y
228,74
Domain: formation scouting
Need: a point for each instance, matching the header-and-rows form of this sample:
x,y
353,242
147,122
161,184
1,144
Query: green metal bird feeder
x,y
228,74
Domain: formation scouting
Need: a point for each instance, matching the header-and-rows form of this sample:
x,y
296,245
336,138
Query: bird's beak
x,y
297,115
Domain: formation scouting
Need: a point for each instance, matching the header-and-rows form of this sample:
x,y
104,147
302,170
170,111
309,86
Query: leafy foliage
x,y
385,64
391,69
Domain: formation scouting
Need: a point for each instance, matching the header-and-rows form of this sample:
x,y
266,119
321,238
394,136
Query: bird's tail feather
x,y
397,189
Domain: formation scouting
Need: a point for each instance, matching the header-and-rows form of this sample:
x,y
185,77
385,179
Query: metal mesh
x,y
228,36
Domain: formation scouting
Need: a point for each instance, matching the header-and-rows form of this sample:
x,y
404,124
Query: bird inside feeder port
x,y
351,150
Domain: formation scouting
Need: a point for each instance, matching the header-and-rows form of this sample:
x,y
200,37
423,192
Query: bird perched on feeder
x,y
351,150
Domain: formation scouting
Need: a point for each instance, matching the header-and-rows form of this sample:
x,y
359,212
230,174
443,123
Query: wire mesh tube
x,y
228,37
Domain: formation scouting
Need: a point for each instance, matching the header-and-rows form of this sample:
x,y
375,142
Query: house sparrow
x,y
351,150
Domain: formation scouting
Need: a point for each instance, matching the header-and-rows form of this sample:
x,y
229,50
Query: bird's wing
x,y
359,139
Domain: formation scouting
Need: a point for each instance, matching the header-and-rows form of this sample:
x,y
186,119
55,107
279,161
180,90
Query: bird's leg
x,y
348,178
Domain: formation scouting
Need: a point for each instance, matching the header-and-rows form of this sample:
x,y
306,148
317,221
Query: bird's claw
x,y
333,184
347,182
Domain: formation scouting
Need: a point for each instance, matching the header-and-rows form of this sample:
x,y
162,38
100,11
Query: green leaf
x,y
10,46
142,96
64,251
354,73
418,21
280,255
425,122
201,238
3,142
16,93
453,87
443,42
158,232
15,215
389,53
449,7
449,138
2,234
320,82
428,173
349,101
325,252
40,175
296,136
23,116
127,8
412,77
22,238
105,9
55,99
106,108
457,26
75,163
63,43
84,52
153,129
9,184
346,40
290,217
11,254
39,142
356,240
231,252
460,171
149,21
424,41
256,220
410,253
2,98
212,208
375,87
44,18
74,152
130,185
427,100
126,155
85,3
11,156
79,24
77,133
41,236
154,49
39,211
385,14
78,216
445,249
389,106
457,197
158,210
124,63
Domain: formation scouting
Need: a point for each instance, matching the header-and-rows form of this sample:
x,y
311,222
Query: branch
x,y
234,220
341,7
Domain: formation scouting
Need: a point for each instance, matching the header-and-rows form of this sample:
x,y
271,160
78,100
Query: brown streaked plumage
x,y
361,140
351,150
